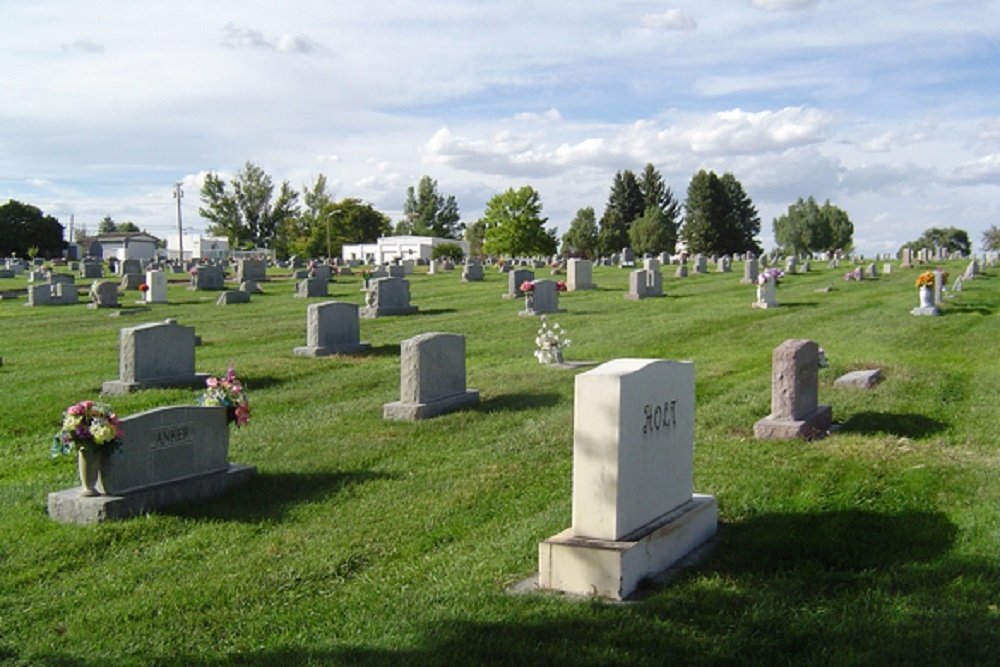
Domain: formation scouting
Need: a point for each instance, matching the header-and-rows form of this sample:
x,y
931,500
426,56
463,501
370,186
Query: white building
x,y
127,245
389,248
197,246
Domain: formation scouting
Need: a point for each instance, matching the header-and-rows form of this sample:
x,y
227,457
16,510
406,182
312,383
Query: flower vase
x,y
557,357
926,297
89,466
529,303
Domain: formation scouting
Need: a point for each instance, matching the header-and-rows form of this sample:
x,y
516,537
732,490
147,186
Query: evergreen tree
x,y
652,233
428,213
581,238
656,194
745,219
625,204
707,218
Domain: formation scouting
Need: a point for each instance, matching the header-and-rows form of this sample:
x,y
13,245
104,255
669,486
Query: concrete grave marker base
x,y
765,304
68,506
315,351
925,311
533,313
399,410
811,426
615,568
371,312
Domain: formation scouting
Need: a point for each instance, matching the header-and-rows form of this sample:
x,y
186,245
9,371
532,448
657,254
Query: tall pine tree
x,y
625,204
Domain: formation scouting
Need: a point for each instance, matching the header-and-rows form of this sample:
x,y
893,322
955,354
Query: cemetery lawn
x,y
370,542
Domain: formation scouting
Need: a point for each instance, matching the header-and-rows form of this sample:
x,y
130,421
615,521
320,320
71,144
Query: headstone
x,y
681,272
651,264
166,456
766,293
130,267
472,272
700,264
795,409
321,272
104,294
515,279
907,261
250,287
251,269
887,268
750,271
972,270
332,328
130,282
156,281
91,270
654,283
957,285
39,295
627,258
938,287
207,277
232,296
312,288
431,378
806,267
395,271
634,510
435,267
544,299
790,264
637,282
859,379
579,275
723,265
56,278
872,271
159,354
387,296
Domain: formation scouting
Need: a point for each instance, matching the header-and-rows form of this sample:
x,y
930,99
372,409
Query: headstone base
x,y
533,313
615,569
925,311
307,351
119,388
68,506
859,379
370,313
814,425
765,304
398,410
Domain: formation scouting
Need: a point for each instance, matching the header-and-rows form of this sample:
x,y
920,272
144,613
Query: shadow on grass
x,y
392,350
437,311
269,496
255,383
517,402
799,304
957,308
904,425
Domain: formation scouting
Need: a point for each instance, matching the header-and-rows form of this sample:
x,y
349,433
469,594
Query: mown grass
x,y
371,542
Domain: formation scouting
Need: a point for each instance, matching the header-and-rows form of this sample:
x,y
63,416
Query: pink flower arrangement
x,y
527,286
561,286
228,392
87,425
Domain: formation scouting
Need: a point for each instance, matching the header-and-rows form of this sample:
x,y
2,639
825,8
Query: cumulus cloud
x,y
984,171
740,132
238,37
83,46
888,179
672,19
783,5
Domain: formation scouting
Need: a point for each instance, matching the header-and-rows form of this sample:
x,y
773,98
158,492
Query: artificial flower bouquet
x,y
87,426
227,391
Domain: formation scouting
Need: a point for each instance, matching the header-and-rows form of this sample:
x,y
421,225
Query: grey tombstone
x,y
544,299
637,282
750,271
251,269
387,297
64,294
972,270
90,270
806,267
654,283
130,282
431,378
322,272
700,264
938,287
332,327
791,263
907,261
232,296
627,258
56,278
651,264
158,354
39,295
635,513
682,271
207,277
250,287
957,285
516,278
167,456
865,379
312,288
795,409
579,275
472,272
104,294
396,271
130,267
872,271
434,267
156,281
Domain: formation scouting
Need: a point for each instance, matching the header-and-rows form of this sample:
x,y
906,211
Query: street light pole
x,y
178,195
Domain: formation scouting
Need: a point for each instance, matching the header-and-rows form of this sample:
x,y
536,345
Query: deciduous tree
x,y
950,239
246,210
23,226
808,227
426,212
581,237
515,226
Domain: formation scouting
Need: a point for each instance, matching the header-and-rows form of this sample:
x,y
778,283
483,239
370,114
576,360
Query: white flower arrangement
x,y
550,341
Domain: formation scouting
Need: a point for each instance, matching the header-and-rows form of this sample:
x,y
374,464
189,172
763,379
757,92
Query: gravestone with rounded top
x,y
516,278
795,409
387,297
158,354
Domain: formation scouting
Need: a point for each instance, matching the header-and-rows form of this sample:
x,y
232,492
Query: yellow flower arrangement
x,y
925,279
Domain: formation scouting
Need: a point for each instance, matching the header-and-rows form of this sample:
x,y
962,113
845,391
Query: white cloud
x,y
83,46
984,171
739,132
237,37
672,19
782,5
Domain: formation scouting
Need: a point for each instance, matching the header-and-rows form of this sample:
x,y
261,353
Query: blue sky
x,y
890,109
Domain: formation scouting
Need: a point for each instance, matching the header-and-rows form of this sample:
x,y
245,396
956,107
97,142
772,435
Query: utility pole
x,y
178,195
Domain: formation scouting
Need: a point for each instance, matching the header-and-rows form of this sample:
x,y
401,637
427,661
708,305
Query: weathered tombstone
x,y
104,294
90,270
156,282
251,269
723,265
579,275
332,328
957,285
887,268
627,258
166,456
750,271
766,293
472,272
907,259
39,295
700,264
56,278
387,296
938,287
806,267
158,354
207,277
312,288
515,279
322,272
634,510
795,409
544,299
408,266
682,271
637,282
232,296
654,283
130,267
791,263
250,287
872,271
395,271
865,379
972,270
651,264
431,378
435,267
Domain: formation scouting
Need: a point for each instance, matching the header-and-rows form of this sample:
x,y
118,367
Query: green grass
x,y
371,542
